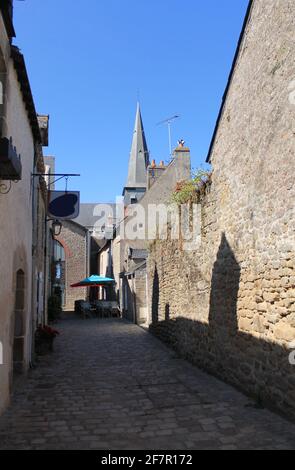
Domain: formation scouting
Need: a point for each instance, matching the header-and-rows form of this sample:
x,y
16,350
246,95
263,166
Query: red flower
x,y
46,332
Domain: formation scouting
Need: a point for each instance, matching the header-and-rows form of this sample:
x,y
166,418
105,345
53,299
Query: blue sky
x,y
88,59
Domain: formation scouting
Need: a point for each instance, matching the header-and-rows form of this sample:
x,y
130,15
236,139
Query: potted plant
x,y
54,306
44,337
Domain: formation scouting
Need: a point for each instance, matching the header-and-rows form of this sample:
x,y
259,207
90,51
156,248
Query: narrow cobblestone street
x,y
111,385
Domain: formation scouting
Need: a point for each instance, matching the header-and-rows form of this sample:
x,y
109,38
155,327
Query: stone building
x,y
22,200
93,242
40,233
229,306
147,184
75,254
120,256
73,259
134,286
135,282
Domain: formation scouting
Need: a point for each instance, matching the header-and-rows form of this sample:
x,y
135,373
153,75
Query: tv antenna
x,y
169,122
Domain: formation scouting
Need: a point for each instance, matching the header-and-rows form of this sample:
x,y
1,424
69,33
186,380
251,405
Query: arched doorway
x,y
19,323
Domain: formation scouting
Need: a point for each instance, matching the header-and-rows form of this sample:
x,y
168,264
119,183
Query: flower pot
x,y
43,346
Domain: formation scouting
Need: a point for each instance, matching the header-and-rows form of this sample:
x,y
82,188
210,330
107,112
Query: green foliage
x,y
54,307
186,190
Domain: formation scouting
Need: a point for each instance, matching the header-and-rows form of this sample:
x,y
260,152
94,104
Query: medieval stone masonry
x,y
230,305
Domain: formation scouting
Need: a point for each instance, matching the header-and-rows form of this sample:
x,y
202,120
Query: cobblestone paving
x,y
111,385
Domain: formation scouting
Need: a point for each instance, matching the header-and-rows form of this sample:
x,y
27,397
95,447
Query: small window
x,y
59,252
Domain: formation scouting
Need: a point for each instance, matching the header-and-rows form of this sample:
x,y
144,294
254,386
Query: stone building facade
x,y
40,232
229,306
134,297
123,257
19,135
75,241
135,292
83,254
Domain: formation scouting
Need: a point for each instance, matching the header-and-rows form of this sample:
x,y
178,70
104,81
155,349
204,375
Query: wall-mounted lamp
x,y
56,228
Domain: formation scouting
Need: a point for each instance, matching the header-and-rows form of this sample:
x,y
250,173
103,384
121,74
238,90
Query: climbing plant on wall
x,y
186,190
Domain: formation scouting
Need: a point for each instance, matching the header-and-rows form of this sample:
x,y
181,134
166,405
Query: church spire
x,y
139,156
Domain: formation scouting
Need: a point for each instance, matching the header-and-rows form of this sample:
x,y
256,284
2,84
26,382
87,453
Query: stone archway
x,y
19,323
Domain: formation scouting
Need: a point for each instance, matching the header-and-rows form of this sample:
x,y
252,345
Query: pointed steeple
x,y
139,156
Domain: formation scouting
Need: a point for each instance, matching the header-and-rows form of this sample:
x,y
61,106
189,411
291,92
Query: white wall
x,y
15,232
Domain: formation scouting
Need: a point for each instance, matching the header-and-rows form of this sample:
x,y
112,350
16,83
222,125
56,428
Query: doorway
x,y
19,324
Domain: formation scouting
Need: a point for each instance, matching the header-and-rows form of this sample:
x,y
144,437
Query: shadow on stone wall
x,y
155,297
225,283
256,366
167,312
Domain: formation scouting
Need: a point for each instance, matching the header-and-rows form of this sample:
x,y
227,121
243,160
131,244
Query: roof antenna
x,y
169,122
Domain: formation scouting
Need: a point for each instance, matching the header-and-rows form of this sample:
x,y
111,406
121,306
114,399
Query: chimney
x,y
182,161
154,172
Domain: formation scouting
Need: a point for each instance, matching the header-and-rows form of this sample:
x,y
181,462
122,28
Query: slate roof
x,y
139,156
138,254
87,218
25,87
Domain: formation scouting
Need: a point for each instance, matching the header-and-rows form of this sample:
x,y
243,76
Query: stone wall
x,y
74,239
230,306
159,193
